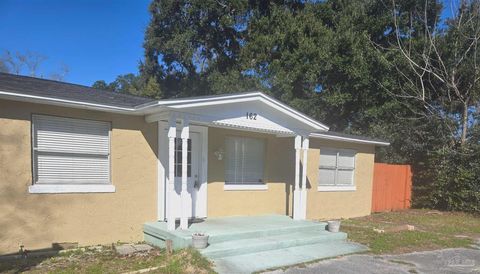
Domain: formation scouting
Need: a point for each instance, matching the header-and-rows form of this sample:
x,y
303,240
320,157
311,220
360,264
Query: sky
x,y
96,39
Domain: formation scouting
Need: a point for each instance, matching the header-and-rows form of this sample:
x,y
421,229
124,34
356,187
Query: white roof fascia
x,y
171,102
348,139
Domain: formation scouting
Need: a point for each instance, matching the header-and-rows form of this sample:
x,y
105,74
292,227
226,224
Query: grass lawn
x,y
107,261
433,230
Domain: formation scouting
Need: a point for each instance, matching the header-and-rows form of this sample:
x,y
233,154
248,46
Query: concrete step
x,y
271,242
258,261
182,239
257,233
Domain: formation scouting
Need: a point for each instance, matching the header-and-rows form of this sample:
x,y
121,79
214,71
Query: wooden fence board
x,y
392,187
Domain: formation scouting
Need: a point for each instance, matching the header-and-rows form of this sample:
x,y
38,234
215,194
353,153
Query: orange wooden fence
x,y
392,187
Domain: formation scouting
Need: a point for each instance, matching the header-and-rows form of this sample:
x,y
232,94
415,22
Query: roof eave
x,y
155,106
64,102
348,139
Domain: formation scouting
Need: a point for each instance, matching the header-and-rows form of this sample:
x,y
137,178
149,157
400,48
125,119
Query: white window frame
x,y
68,188
239,186
334,187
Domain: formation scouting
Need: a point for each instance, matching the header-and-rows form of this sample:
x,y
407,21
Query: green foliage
x,y
132,84
152,89
456,183
101,84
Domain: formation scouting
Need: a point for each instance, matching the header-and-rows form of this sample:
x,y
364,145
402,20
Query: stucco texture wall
x,y
37,220
343,204
279,176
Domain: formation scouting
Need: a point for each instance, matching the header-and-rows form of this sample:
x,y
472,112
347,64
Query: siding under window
x,y
244,160
70,151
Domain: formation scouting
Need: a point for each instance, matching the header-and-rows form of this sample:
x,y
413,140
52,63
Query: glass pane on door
x,y
178,158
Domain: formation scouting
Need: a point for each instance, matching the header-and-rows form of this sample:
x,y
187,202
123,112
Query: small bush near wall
x,y
450,180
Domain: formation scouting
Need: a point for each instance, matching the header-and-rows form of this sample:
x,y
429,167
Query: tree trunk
x,y
463,138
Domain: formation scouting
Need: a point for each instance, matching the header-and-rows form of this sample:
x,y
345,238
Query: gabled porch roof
x,y
253,111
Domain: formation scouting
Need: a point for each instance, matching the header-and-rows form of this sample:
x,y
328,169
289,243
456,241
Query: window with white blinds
x,y
244,160
70,151
337,167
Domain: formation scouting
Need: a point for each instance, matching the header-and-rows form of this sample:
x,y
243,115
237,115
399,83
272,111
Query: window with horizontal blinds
x,y
337,167
244,160
70,151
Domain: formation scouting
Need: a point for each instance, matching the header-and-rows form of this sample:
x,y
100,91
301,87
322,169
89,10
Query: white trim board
x,y
44,188
243,186
347,139
336,188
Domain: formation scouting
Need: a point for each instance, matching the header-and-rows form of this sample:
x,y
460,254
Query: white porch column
x,y
183,194
305,145
296,191
172,133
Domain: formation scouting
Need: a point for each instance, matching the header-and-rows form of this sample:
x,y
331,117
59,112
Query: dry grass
x,y
107,261
433,230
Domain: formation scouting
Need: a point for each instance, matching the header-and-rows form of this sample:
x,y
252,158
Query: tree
x,y
194,47
313,55
61,74
152,89
4,66
132,84
433,80
28,63
438,64
101,84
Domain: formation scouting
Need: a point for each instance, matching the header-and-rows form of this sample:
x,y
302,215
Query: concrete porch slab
x,y
228,228
249,244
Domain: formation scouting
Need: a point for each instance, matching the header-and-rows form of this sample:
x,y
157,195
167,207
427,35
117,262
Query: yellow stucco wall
x,y
279,176
37,220
328,205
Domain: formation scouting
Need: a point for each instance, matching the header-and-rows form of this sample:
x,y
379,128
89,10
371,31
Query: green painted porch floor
x,y
249,244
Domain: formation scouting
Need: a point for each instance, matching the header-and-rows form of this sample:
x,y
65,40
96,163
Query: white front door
x,y
197,173
193,183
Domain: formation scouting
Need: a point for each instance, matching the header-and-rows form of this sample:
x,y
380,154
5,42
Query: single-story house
x,y
84,165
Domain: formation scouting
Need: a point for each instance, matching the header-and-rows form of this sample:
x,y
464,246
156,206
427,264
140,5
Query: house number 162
x,y
251,116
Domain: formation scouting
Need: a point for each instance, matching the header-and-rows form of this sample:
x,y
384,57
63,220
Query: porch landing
x,y
249,244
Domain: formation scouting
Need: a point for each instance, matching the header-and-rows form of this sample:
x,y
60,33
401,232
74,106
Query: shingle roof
x,y
66,91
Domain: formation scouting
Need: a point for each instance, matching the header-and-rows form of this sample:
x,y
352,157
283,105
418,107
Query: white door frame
x,y
162,166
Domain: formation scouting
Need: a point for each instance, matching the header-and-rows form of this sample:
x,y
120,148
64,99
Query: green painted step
x,y
182,239
264,260
252,245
